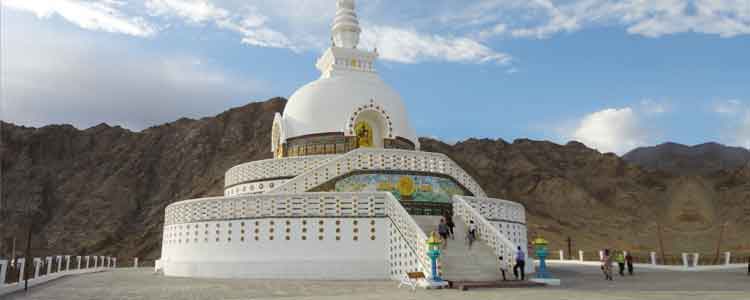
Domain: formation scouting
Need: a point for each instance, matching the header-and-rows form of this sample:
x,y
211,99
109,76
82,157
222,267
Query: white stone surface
x,y
3,270
547,281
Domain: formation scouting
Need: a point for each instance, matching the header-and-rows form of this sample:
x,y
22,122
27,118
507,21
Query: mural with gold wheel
x,y
406,187
413,188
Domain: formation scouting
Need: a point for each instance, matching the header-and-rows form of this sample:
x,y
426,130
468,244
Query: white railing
x,y
380,160
486,231
276,205
61,270
408,242
273,168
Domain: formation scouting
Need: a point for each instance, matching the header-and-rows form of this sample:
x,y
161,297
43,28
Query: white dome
x,y
328,105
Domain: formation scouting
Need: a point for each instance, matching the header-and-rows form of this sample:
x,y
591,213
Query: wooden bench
x,y
411,279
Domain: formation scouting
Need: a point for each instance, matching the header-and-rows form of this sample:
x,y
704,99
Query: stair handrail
x,y
417,243
486,231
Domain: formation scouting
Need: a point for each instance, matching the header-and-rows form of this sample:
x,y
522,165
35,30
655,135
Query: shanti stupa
x,y
348,194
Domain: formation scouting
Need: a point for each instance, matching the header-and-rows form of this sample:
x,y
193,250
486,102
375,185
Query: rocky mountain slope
x,y
689,160
104,189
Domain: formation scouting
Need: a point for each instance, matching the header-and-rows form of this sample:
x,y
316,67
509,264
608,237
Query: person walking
x,y
471,235
443,232
629,262
607,265
620,259
503,266
520,264
449,222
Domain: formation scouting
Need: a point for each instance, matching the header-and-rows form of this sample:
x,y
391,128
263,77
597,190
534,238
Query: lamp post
x,y
433,252
541,253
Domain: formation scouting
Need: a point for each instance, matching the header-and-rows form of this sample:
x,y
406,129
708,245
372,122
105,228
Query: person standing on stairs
x,y
471,235
449,222
443,231
520,264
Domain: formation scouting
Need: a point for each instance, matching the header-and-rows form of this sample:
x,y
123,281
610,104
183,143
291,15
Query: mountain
x,y
689,160
104,189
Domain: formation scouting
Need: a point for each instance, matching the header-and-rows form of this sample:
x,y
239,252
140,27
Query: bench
x,y
411,279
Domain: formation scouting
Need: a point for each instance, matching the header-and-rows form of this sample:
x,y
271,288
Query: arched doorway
x,y
370,129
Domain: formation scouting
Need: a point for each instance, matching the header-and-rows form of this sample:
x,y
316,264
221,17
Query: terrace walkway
x,y
579,282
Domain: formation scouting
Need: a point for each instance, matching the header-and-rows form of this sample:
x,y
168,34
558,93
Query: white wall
x,y
186,253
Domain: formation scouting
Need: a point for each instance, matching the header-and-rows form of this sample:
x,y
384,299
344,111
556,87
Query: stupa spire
x,y
345,28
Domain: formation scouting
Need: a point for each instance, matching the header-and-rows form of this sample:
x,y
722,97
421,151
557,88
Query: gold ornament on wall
x,y
406,187
364,134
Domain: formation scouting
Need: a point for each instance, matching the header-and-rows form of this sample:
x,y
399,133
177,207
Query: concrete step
x,y
457,261
465,286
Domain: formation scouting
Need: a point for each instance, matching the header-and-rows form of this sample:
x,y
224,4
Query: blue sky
x,y
613,74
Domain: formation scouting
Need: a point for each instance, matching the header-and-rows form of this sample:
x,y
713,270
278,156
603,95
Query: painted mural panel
x,y
405,187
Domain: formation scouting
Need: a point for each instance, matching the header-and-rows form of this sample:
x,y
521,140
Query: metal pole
x,y
28,255
570,248
13,252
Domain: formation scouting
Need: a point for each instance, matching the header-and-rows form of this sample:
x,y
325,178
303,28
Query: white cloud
x,y
544,18
410,46
736,116
195,11
103,15
730,107
68,77
611,130
654,107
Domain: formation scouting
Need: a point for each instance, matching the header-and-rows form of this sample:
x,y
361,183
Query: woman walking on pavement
x,y
629,262
620,259
607,265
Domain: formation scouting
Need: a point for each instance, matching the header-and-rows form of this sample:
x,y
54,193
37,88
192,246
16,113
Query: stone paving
x,y
579,283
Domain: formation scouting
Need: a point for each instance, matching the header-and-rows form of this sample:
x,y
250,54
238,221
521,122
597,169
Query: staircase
x,y
457,262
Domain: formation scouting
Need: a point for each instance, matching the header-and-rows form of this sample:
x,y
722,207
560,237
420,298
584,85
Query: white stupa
x,y
348,194
348,93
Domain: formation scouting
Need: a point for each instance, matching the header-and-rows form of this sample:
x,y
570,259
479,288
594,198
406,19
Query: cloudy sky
x,y
612,74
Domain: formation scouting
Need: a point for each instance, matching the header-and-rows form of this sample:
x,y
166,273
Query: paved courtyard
x,y
579,283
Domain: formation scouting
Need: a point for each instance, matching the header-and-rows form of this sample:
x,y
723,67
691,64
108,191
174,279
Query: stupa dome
x,y
348,107
328,105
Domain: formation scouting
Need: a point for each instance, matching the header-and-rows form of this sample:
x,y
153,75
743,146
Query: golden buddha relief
x,y
363,130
